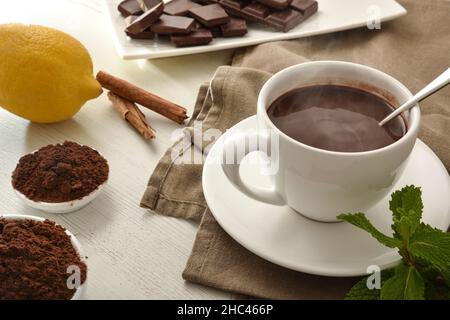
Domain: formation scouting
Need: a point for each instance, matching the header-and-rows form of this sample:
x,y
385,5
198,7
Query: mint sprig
x,y
424,272
406,284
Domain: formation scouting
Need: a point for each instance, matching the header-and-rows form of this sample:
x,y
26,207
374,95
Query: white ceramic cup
x,y
321,184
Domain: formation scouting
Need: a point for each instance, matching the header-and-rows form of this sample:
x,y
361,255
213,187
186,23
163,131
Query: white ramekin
x,y
62,207
80,292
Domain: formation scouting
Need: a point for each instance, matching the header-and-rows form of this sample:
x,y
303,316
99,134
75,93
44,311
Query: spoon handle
x,y
432,87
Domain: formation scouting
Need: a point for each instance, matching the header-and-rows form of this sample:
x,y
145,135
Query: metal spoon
x,y
432,87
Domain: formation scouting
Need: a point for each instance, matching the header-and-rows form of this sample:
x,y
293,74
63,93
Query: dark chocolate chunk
x,y
234,28
148,4
285,19
216,32
197,38
280,19
257,10
306,7
277,4
173,24
179,7
146,19
146,34
238,5
129,8
211,15
203,1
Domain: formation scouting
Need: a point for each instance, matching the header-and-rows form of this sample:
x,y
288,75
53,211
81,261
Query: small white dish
x,y
332,16
284,237
81,290
62,207
67,206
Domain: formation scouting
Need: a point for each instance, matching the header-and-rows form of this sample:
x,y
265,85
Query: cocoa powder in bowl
x,y
60,173
34,260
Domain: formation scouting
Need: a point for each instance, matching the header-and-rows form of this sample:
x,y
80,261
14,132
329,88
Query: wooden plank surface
x,y
132,252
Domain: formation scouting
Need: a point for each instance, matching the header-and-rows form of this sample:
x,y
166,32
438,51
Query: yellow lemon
x,y
45,75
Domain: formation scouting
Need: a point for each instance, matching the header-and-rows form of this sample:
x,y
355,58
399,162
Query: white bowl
x,y
68,206
61,207
81,290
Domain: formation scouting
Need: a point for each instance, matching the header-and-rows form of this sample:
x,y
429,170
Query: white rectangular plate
x,y
333,15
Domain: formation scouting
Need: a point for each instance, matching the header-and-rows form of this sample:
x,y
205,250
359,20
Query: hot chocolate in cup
x,y
321,181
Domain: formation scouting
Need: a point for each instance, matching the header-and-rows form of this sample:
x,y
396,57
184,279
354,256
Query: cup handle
x,y
231,166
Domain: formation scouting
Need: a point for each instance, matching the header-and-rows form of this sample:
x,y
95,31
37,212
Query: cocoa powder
x,y
60,173
34,260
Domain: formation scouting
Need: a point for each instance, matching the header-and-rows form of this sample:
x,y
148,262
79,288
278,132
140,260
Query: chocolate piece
x,y
148,4
129,7
179,7
277,4
146,19
257,10
234,28
215,31
173,24
146,34
205,2
211,15
286,19
196,38
238,5
306,7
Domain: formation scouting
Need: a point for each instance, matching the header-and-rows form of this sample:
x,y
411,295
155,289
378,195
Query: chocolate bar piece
x,y
197,38
306,7
238,5
204,2
147,4
129,8
210,15
215,31
257,10
284,19
277,4
179,7
173,25
146,34
146,19
234,28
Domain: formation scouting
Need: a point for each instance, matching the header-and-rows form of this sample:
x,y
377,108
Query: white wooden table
x,y
133,253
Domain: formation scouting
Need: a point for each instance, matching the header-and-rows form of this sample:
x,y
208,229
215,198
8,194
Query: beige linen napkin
x,y
413,49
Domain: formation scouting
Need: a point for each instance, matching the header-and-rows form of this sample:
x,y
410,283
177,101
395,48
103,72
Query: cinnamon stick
x,y
133,93
130,112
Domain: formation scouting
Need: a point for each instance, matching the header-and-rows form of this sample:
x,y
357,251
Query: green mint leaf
x,y
406,284
359,220
360,291
409,199
446,276
406,206
432,246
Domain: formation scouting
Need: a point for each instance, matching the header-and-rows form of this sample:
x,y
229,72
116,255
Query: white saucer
x,y
284,237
